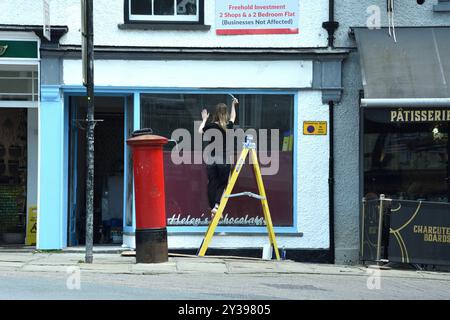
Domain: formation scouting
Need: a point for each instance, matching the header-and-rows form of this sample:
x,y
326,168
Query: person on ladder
x,y
217,168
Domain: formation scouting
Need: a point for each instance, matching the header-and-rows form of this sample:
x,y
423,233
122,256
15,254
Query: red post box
x,y
148,168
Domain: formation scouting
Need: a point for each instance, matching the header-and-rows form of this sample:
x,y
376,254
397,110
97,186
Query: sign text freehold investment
x,y
257,17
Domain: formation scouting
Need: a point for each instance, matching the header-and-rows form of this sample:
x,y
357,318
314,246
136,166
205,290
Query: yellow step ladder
x,y
249,147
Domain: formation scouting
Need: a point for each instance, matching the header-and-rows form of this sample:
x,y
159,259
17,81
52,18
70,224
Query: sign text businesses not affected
x,y
258,17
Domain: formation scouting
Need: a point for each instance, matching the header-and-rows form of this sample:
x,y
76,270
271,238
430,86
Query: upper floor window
x,y
163,10
442,6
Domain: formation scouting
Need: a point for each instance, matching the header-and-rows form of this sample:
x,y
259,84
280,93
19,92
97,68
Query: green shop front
x,y
19,102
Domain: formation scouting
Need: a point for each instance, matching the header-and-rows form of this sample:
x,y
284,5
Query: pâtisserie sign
x,y
413,115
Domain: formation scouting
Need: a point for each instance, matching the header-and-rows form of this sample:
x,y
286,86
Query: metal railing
x,y
405,231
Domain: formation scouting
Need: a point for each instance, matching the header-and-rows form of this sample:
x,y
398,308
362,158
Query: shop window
x,y
406,154
186,184
18,85
163,11
13,174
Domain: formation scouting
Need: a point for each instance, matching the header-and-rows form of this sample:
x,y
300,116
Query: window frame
x,y
163,19
293,119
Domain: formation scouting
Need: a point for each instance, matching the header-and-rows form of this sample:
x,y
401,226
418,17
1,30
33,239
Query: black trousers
x,y
217,181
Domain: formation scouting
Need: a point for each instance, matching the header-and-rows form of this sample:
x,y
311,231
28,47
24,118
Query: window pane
x,y
165,113
407,160
8,97
187,7
16,86
17,74
164,7
141,6
269,112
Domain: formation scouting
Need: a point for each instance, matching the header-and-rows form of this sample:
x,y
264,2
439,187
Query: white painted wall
x,y
356,13
109,13
129,241
194,74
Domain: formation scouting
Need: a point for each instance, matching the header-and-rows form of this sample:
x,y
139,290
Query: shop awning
x,y
414,71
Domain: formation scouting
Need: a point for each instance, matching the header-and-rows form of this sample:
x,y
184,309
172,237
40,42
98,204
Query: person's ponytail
x,y
221,115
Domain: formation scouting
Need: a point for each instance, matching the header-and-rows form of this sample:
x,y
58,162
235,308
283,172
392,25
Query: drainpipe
x,y
331,181
331,26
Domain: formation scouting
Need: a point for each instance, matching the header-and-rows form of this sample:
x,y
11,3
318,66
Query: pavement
x,y
115,263
27,274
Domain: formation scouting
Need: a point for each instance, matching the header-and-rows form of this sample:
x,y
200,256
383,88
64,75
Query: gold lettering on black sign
x,y
420,115
433,233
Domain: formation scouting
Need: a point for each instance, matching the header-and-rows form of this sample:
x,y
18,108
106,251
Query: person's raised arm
x,y
233,110
205,116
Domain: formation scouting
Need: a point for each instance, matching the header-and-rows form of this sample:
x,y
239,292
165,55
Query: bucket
x,y
267,252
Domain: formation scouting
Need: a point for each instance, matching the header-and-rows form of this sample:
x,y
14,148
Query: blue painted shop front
x,y
59,194
61,167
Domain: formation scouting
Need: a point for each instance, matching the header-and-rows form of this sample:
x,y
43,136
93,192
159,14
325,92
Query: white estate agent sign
x,y
256,17
46,24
